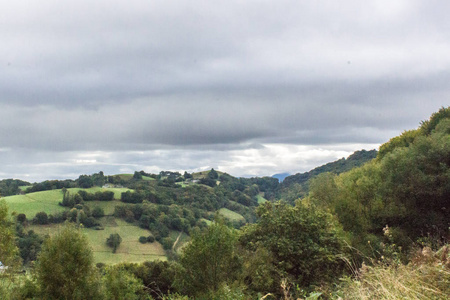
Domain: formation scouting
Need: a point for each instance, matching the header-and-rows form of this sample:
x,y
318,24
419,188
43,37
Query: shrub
x,y
167,243
41,218
143,239
21,218
98,212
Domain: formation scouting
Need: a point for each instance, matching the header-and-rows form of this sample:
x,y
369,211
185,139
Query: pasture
x,y
32,203
230,215
47,201
130,250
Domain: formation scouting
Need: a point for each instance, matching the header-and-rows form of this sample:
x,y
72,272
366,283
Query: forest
x,y
375,225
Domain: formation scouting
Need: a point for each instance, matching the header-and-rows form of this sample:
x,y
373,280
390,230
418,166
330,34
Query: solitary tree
x,y
213,174
114,241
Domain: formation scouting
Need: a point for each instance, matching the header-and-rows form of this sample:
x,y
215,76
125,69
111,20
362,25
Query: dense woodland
x,y
335,232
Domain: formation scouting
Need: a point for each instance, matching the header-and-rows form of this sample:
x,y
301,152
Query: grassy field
x,y
203,174
231,215
117,191
130,176
47,201
24,187
107,206
130,250
261,199
32,203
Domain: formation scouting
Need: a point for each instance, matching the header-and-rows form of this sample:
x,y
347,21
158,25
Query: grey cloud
x,y
202,80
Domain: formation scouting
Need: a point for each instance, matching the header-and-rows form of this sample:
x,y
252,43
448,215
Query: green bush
x,y
98,212
41,218
114,241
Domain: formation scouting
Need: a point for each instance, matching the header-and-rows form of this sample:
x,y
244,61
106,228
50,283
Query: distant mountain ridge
x,y
280,176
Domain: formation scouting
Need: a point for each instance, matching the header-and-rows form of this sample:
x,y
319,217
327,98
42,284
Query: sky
x,y
251,88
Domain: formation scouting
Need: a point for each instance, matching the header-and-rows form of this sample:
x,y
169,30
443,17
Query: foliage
x,y
8,249
99,195
302,240
407,188
10,187
121,284
209,260
297,186
98,212
114,241
41,218
157,276
403,140
51,185
137,175
64,269
213,174
29,244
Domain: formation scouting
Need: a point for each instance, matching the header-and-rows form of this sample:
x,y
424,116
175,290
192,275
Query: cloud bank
x,y
251,88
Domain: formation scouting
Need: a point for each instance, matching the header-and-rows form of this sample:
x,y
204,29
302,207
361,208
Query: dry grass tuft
x,y
426,277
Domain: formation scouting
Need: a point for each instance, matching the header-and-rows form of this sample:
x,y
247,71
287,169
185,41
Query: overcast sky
x,y
246,87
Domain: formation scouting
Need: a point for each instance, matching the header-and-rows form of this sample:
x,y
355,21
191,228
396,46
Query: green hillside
x,y
48,201
297,186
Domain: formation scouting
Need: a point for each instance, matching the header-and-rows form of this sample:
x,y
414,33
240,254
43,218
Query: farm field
x,y
47,201
130,250
107,206
32,203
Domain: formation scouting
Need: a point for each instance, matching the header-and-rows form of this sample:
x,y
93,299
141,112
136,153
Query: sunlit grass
x,y
48,201
130,250
231,215
426,278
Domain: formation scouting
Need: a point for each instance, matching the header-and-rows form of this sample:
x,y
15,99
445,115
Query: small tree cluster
x,y
114,241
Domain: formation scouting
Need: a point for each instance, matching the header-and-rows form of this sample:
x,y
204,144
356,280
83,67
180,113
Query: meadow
x,y
48,201
130,249
230,215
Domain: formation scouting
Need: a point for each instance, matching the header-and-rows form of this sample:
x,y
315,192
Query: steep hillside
x,y
296,186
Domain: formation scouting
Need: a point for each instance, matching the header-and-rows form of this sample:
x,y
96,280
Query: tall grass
x,y
427,276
